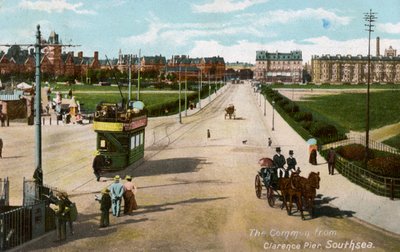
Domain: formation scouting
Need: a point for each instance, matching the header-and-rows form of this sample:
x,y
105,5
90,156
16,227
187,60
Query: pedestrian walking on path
x,y
129,196
105,205
331,161
117,190
208,134
313,154
98,164
279,162
269,142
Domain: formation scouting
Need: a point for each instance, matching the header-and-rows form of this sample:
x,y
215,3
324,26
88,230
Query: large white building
x,y
339,69
279,67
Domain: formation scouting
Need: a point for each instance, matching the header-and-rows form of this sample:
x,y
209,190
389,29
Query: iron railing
x,y
380,185
360,139
4,192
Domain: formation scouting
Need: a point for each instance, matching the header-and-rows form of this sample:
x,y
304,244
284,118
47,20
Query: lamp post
x,y
186,91
138,79
265,105
38,174
273,110
180,116
200,89
369,17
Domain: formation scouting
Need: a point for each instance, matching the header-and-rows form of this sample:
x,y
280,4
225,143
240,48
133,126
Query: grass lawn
x,y
90,101
393,141
348,111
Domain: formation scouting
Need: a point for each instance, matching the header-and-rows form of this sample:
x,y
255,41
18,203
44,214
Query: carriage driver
x,y
291,164
279,162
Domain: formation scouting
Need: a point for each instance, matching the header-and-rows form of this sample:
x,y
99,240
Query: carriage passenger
x,y
291,164
279,162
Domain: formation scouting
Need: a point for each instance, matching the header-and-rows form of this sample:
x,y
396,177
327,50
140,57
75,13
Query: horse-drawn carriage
x,y
230,111
293,188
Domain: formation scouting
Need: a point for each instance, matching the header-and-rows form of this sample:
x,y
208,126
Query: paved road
x,y
195,194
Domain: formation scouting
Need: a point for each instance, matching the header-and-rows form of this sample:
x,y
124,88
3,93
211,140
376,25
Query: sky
x,y
233,29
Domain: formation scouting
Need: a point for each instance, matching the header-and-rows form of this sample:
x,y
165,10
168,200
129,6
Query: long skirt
x,y
130,202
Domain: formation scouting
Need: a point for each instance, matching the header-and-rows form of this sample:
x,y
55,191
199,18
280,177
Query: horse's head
x,y
314,179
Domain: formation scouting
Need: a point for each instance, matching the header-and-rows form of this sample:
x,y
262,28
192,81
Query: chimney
x,y
377,47
96,55
80,54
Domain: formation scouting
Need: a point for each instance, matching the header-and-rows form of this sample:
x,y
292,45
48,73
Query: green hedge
x,y
302,122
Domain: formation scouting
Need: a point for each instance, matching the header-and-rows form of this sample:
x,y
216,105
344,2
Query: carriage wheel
x,y
258,186
270,196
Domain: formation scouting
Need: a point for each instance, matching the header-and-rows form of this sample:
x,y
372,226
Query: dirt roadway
x,y
195,194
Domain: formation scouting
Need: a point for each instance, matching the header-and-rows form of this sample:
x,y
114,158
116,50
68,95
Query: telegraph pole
x,y
129,77
138,79
370,17
186,106
38,173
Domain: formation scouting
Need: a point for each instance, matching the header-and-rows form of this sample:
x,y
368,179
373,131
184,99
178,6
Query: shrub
x,y
303,116
354,152
306,124
322,129
386,166
291,108
283,102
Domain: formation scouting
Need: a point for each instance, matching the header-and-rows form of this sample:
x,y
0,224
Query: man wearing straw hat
x,y
117,190
105,205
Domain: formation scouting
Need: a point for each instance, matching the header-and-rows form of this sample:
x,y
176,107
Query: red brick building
x,y
54,62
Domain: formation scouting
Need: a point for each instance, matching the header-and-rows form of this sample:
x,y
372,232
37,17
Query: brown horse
x,y
308,187
290,192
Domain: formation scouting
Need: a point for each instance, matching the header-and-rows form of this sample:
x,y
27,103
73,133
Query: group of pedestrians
x,y
65,212
112,198
280,161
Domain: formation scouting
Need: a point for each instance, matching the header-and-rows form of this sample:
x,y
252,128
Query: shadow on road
x,y
159,167
323,208
165,206
86,227
168,166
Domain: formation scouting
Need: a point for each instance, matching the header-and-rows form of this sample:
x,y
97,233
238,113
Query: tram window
x,y
141,137
137,140
103,144
132,142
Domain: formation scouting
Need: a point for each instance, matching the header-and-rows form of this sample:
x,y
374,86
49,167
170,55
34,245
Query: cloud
x,y
184,33
54,6
389,28
225,6
287,16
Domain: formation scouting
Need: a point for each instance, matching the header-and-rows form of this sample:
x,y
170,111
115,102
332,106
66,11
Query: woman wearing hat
x,y
129,196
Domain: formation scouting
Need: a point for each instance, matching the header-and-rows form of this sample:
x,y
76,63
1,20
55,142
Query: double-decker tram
x,y
120,133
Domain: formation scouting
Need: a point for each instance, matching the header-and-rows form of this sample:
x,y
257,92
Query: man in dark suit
x,y
279,162
331,161
291,164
